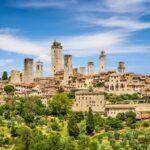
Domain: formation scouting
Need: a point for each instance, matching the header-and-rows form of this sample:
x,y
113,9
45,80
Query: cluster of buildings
x,y
67,78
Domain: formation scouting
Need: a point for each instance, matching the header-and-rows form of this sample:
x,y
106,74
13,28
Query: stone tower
x,y
82,70
90,68
56,57
102,61
121,67
68,70
75,71
15,77
39,69
28,70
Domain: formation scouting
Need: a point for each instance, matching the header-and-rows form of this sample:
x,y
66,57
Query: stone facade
x,y
113,110
85,99
39,69
15,77
56,57
28,75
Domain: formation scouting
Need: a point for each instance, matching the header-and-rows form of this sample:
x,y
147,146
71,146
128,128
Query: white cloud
x,y
126,6
79,46
20,45
130,24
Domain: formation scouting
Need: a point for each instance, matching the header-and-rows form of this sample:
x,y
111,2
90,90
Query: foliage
x,y
25,138
121,116
90,122
60,104
5,75
55,125
99,122
114,123
99,84
112,98
83,142
9,89
30,126
73,128
130,118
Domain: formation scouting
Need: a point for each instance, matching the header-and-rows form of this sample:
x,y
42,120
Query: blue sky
x,y
85,27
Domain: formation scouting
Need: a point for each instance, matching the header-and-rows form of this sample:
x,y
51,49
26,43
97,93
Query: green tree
x,y
25,138
99,84
83,142
55,142
90,122
5,75
94,145
40,141
73,128
121,116
69,144
60,104
130,118
99,122
9,89
114,123
79,116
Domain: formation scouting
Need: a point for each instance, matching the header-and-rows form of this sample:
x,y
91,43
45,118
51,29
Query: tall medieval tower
x,y
28,70
82,70
56,57
121,67
39,69
90,68
68,70
102,61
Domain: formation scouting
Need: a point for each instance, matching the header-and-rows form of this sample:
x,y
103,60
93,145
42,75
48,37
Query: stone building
x,y
90,68
68,70
113,110
28,75
116,84
15,77
102,61
82,70
121,67
39,69
56,57
85,99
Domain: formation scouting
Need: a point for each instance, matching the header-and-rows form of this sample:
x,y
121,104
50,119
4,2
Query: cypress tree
x,y
90,122
73,128
5,75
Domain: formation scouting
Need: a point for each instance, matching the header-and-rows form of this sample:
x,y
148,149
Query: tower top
x,y
103,53
56,44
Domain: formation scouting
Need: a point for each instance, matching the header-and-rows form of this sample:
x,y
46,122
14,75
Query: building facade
x,y
85,99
